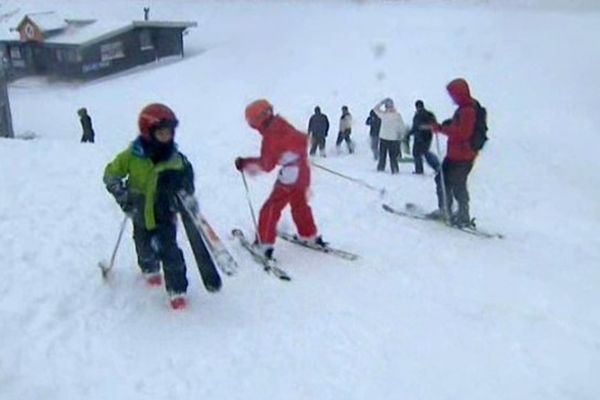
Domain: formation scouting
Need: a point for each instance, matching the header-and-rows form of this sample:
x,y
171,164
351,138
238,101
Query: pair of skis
x,y
413,211
270,264
209,251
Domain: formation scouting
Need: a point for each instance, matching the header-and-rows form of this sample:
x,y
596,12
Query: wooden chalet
x,y
85,48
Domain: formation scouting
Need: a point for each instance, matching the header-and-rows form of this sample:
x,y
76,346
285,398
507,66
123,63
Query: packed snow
x,y
426,313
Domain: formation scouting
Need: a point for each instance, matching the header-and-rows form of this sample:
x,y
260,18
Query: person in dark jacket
x,y
318,127
374,123
459,156
86,125
421,131
144,179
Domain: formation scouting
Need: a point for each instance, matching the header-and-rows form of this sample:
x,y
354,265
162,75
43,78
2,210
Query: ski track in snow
x,y
426,313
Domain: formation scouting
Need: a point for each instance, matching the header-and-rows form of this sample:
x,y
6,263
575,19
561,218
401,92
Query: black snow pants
x,y
420,150
157,246
345,136
455,179
391,147
317,141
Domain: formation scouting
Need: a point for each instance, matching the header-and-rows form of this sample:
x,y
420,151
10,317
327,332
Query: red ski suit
x,y
283,145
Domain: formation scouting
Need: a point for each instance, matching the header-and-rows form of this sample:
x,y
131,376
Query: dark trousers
x,y
160,246
455,181
317,141
345,136
87,136
420,150
375,147
391,148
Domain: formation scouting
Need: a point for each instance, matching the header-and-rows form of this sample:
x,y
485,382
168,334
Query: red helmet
x,y
154,116
258,112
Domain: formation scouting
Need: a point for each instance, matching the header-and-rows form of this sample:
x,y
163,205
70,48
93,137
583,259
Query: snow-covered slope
x,y
427,313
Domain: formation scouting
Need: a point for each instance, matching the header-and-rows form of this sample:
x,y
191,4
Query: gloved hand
x,y
240,163
446,122
126,203
119,191
436,127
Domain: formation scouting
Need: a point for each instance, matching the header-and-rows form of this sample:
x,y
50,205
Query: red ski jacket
x,y
284,145
461,129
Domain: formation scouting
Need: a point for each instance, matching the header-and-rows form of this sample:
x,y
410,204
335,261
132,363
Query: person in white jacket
x,y
345,131
391,133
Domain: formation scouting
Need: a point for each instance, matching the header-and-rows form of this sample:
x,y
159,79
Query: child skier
x,y
144,179
282,145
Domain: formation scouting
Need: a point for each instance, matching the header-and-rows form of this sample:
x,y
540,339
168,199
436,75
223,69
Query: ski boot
x,y
178,301
265,250
315,241
153,279
437,215
461,219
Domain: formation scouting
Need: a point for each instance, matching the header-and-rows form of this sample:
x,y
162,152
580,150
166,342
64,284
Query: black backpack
x,y
480,135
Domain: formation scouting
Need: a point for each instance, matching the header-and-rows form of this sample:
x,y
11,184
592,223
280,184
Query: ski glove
x,y
240,163
127,204
436,127
119,191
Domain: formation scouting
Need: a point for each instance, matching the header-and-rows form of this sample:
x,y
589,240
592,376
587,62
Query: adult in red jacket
x,y
459,155
281,145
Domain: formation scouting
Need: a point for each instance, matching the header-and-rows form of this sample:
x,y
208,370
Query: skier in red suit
x,y
283,145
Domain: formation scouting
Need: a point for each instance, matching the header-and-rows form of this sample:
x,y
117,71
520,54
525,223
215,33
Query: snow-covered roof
x,y
46,21
101,30
85,32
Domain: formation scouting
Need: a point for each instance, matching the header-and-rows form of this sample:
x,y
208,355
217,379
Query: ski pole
x,y
249,202
381,191
442,181
106,268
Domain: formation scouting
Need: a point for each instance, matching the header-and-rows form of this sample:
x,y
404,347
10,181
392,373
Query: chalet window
x,y
146,40
15,53
111,51
69,55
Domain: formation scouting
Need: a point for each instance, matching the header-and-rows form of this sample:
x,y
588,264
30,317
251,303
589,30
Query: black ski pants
x,y
317,141
420,150
391,148
375,146
455,181
87,136
345,136
157,246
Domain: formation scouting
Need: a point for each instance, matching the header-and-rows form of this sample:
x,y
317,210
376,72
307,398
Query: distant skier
x,y
374,123
391,133
421,131
144,179
318,127
345,131
86,125
459,155
281,145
